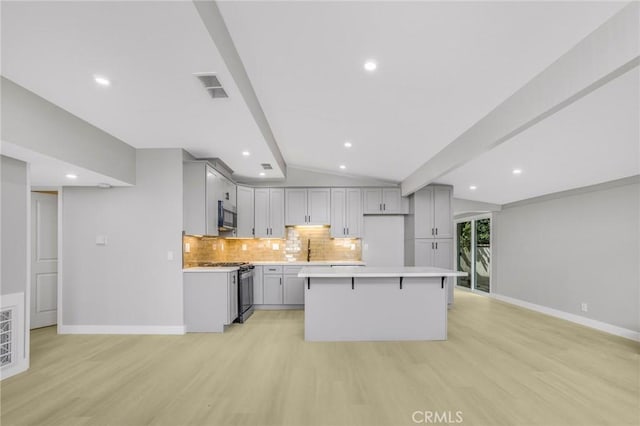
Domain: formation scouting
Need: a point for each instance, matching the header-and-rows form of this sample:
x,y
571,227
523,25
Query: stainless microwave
x,y
227,217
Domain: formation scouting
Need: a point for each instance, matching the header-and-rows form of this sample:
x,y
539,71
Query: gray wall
x,y
129,281
582,247
14,226
36,124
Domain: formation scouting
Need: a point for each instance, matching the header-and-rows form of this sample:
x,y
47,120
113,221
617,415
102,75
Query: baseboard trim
x,y
587,322
121,329
17,368
276,307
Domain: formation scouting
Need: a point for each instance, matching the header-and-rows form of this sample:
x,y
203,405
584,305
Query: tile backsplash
x,y
294,247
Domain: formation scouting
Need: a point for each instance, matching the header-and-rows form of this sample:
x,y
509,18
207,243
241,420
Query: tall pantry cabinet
x,y
429,229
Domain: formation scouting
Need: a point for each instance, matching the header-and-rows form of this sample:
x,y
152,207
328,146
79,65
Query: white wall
x,y
297,176
36,124
383,240
128,282
14,252
582,247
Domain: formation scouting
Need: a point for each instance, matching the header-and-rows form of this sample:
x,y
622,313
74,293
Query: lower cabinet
x,y
210,300
293,290
258,288
438,252
272,289
278,285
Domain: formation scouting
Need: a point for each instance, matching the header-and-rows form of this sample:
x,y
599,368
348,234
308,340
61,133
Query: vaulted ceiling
x,y
441,67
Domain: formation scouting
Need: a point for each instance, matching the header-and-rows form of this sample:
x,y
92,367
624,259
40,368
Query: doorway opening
x,y
44,259
473,252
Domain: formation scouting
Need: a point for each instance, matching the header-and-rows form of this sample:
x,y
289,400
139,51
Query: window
x,y
473,253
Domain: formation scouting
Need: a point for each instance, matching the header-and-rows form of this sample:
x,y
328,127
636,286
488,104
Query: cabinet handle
x,y
436,231
431,245
344,231
347,231
432,231
280,281
380,206
436,245
309,219
384,206
253,231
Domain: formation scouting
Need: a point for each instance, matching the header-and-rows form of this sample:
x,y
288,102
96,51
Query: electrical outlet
x,y
584,307
169,255
187,248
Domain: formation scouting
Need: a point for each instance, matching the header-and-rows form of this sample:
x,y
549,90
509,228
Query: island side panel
x,y
376,309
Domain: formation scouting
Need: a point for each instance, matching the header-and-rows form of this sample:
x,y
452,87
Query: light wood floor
x,y
502,365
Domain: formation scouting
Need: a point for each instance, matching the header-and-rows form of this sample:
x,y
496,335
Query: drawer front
x,y
272,269
292,269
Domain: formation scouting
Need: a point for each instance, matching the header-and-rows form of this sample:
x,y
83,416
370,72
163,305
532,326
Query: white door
x,y
353,214
391,200
442,215
44,259
276,212
423,207
373,200
338,209
296,206
319,206
245,210
423,252
443,253
261,212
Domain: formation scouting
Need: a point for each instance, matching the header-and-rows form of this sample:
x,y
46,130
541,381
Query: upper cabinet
x,y
269,212
382,201
307,206
246,212
432,212
346,213
200,204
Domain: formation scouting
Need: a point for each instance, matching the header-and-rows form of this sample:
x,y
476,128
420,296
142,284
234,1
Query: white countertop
x,y
312,263
378,272
211,269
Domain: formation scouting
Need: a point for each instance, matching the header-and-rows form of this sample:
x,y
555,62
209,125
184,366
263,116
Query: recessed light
x,y
370,66
473,187
261,173
71,176
517,171
348,144
342,166
246,153
102,81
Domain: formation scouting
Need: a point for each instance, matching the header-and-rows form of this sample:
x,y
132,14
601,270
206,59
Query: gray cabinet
x,y
307,206
273,294
246,211
293,290
200,198
210,300
346,212
293,286
269,212
382,201
258,287
433,252
433,212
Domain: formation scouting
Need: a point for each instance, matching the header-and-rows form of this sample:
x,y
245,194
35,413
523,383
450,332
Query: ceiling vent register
x,y
266,166
212,85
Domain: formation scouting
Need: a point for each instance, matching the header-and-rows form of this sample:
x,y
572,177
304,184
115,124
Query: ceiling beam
x,y
215,25
605,54
36,127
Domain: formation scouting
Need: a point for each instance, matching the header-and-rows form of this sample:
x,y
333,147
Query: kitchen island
x,y
375,303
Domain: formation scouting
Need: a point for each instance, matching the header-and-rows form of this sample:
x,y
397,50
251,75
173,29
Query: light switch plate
x,y
101,240
169,255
